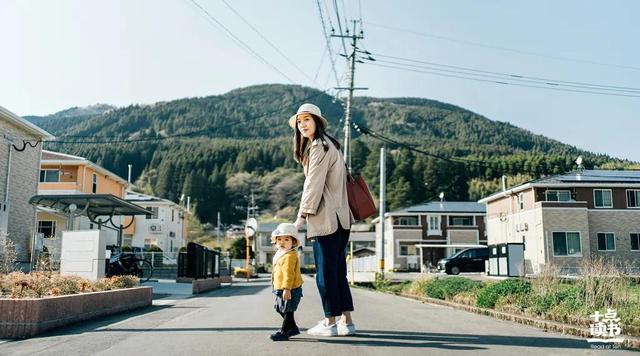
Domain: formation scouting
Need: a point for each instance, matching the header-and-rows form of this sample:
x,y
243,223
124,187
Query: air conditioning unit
x,y
155,228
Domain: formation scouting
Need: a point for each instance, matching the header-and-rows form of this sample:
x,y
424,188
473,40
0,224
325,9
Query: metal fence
x,y
198,262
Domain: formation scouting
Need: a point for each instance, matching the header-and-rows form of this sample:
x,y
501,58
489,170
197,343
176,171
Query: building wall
x,y
570,219
23,184
163,237
621,223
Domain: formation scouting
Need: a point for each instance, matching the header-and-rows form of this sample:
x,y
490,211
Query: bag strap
x,y
349,176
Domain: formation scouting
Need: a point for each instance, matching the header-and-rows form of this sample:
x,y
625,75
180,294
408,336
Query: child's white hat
x,y
284,229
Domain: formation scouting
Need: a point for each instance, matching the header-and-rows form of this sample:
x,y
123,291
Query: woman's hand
x,y
299,222
286,294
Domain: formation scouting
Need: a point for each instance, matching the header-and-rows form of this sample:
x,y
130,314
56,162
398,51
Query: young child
x,y
286,279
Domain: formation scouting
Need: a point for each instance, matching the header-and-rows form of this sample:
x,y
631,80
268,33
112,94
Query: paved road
x,y
237,320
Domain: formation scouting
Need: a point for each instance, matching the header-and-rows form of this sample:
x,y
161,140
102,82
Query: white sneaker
x,y
323,330
345,329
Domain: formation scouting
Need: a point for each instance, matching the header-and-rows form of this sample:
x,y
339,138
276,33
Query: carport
x,y
421,246
99,208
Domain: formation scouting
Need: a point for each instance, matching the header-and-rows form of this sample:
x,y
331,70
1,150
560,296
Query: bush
x,y
417,287
466,298
488,296
39,284
380,282
448,287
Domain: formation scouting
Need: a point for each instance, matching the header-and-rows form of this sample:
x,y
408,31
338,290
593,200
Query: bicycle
x,y
126,263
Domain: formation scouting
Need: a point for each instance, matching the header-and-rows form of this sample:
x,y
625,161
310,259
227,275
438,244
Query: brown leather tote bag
x,y
360,199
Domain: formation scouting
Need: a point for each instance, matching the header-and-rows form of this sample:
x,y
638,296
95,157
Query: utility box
x,y
506,260
83,253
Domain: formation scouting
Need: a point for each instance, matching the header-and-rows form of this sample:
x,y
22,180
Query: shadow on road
x,y
449,341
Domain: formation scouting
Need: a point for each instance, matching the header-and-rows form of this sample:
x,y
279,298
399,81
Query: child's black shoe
x,y
293,332
279,336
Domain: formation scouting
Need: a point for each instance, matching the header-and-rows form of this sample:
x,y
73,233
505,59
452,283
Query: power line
x,y
267,40
500,48
388,140
518,77
239,41
502,82
325,33
344,45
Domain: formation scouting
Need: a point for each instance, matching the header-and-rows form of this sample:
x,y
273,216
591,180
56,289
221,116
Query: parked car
x,y
467,260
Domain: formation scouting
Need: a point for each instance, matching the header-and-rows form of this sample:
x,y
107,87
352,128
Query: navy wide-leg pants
x,y
331,272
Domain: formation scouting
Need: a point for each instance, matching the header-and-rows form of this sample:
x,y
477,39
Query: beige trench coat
x,y
324,198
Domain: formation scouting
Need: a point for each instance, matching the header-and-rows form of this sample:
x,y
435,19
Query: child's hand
x,y
286,294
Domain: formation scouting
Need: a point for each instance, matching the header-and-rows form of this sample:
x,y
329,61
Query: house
x,y
433,230
568,218
21,144
166,228
62,173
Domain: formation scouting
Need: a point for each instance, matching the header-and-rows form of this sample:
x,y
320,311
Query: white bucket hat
x,y
285,229
311,109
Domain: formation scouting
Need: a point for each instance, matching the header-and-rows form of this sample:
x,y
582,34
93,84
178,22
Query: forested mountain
x,y
218,148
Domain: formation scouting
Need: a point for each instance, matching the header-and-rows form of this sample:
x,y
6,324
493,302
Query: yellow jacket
x,y
286,272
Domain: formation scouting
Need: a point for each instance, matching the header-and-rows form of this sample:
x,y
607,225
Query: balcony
x,y
562,204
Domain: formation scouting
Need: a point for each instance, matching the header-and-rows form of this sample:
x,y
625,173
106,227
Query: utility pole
x,y
218,231
353,58
383,179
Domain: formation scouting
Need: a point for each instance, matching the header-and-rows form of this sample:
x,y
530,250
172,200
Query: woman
x,y
325,209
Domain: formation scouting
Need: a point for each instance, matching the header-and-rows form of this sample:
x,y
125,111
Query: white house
x,y
166,228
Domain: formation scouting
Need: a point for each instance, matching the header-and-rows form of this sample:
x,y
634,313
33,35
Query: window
x,y
606,241
94,184
602,198
406,221
47,228
407,249
566,244
635,241
521,201
154,213
173,213
150,242
558,195
49,176
434,223
461,221
633,198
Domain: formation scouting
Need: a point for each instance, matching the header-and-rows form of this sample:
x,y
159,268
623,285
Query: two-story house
x,y
433,230
166,228
62,173
565,219
21,145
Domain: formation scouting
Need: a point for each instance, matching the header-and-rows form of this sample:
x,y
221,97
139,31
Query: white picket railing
x,y
362,269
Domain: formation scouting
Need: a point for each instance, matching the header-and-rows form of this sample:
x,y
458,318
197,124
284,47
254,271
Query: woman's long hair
x,y
300,143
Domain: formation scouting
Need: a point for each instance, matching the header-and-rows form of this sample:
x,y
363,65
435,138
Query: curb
x,y
547,325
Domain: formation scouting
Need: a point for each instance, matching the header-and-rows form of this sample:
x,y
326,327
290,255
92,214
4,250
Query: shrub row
x,y
40,284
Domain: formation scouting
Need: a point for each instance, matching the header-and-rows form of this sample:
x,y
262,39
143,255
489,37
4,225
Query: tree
x,y
239,249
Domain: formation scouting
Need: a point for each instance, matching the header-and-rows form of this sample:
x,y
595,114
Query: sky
x,y
60,54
